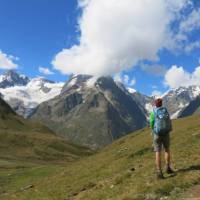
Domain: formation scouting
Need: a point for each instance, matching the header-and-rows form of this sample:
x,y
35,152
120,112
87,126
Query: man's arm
x,y
152,120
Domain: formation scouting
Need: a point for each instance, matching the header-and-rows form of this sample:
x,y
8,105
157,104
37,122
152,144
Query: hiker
x,y
160,124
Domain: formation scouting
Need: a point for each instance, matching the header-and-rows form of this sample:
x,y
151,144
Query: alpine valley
x,y
87,110
36,163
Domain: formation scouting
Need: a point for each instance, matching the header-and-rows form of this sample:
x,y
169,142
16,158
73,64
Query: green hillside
x,y
123,170
34,142
29,150
25,140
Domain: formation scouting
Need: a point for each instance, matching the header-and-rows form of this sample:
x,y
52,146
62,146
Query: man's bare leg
x,y
158,165
168,162
158,160
168,157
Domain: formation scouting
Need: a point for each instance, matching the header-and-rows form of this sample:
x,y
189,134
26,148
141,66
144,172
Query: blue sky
x,y
53,35
36,30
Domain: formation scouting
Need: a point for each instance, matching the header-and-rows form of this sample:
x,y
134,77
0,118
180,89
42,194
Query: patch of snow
x,y
91,82
1,78
181,90
78,89
22,76
181,105
175,115
149,107
73,81
8,78
131,90
195,91
168,93
32,94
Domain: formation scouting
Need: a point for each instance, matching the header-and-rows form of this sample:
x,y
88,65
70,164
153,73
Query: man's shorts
x,y
161,141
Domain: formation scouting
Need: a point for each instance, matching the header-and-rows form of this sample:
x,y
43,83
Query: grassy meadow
x,y
35,167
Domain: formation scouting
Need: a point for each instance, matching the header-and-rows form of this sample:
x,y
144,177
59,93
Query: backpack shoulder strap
x,y
165,109
155,110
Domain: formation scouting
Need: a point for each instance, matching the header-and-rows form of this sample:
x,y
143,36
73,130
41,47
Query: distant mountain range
x,y
24,94
176,100
15,86
89,110
192,108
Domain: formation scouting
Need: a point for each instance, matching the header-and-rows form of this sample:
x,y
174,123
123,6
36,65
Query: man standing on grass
x,y
160,124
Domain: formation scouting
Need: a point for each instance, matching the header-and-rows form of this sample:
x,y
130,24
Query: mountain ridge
x,y
26,94
89,104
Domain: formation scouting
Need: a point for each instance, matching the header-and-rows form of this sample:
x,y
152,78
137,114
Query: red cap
x,y
158,102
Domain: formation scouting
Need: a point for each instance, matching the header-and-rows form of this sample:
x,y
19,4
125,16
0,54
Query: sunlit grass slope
x,y
22,139
123,170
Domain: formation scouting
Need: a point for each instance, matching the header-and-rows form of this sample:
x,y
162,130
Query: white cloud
x,y
83,3
156,94
191,46
177,76
13,57
188,24
116,34
45,71
118,78
132,82
125,79
192,22
157,70
7,61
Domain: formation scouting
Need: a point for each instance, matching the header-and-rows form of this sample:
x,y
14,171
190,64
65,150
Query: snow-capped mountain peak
x,y
24,94
178,99
77,82
39,82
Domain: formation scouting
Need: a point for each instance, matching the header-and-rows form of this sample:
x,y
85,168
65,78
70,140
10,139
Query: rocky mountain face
x,y
91,111
11,78
24,94
192,108
178,99
144,102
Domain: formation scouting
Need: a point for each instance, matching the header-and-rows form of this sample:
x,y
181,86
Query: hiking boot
x,y
169,170
159,175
